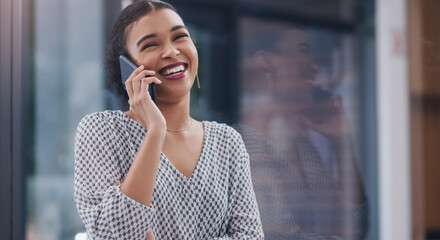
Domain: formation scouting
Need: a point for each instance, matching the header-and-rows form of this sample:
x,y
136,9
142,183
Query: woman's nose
x,y
170,51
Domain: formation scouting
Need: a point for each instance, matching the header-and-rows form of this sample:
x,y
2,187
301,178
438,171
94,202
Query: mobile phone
x,y
320,94
127,68
319,112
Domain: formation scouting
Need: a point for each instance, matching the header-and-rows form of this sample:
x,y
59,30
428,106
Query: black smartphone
x,y
127,68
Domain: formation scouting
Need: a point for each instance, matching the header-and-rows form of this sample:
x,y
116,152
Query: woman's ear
x,y
265,60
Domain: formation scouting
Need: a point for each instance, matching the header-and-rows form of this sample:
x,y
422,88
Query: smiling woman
x,y
162,35
142,173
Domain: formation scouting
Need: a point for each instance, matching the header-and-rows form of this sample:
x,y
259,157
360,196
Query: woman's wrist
x,y
158,130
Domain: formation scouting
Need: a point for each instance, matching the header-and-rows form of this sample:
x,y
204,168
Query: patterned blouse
x,y
216,202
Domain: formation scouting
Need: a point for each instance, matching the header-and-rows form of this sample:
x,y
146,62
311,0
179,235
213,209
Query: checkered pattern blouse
x,y
216,202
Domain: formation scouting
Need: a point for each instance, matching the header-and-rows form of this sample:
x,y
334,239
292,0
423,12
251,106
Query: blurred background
x,y
338,102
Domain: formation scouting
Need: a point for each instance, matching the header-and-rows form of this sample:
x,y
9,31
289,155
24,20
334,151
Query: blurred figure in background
x,y
304,170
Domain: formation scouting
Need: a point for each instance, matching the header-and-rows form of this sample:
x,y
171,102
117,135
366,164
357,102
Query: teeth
x,y
174,70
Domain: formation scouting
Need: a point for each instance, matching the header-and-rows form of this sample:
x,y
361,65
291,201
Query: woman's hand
x,y
150,235
141,104
335,125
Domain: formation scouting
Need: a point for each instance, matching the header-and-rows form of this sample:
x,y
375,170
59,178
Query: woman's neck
x,y
176,114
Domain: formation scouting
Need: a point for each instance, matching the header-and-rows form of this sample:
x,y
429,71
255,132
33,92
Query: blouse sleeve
x,y
106,212
244,216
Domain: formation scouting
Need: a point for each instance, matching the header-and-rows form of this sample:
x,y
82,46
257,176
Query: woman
x,y
153,170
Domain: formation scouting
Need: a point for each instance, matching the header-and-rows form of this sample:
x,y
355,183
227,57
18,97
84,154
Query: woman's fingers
x,y
137,81
129,82
149,80
134,83
145,84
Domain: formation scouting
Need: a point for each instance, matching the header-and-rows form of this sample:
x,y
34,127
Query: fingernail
x,y
141,66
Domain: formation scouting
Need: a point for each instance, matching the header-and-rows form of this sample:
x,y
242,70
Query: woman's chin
x,y
173,95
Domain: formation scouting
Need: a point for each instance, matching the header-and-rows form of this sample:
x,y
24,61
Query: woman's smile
x,y
174,71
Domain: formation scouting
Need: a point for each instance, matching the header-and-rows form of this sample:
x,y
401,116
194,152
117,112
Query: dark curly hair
x,y
118,41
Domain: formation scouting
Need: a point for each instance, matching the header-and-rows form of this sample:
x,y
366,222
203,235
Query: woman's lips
x,y
174,76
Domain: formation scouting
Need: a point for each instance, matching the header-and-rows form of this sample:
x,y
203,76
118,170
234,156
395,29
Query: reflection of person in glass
x,y
153,171
304,170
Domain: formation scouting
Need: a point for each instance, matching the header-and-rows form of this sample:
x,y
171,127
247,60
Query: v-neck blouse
x,y
216,202
201,157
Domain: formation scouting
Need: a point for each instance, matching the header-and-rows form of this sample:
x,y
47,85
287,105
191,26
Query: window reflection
x,y
297,84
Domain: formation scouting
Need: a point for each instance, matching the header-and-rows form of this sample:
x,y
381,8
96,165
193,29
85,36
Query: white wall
x,y
393,120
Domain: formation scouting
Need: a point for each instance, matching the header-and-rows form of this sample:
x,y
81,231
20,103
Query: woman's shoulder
x,y
104,115
103,119
221,130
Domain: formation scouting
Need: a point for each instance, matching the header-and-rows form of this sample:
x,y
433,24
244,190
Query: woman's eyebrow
x,y
145,38
177,27
155,35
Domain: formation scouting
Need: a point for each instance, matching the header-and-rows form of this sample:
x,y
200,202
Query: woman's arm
x,y
124,211
141,177
349,184
106,211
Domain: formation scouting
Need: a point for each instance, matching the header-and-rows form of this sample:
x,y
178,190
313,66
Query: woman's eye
x,y
181,36
148,45
305,51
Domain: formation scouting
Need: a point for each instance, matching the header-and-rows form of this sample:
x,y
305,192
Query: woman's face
x,y
295,71
295,57
161,42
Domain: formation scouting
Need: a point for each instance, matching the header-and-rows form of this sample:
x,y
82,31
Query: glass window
x,y
290,76
300,120
67,82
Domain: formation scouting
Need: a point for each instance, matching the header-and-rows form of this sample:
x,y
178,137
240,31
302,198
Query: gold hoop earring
x,y
269,77
198,82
